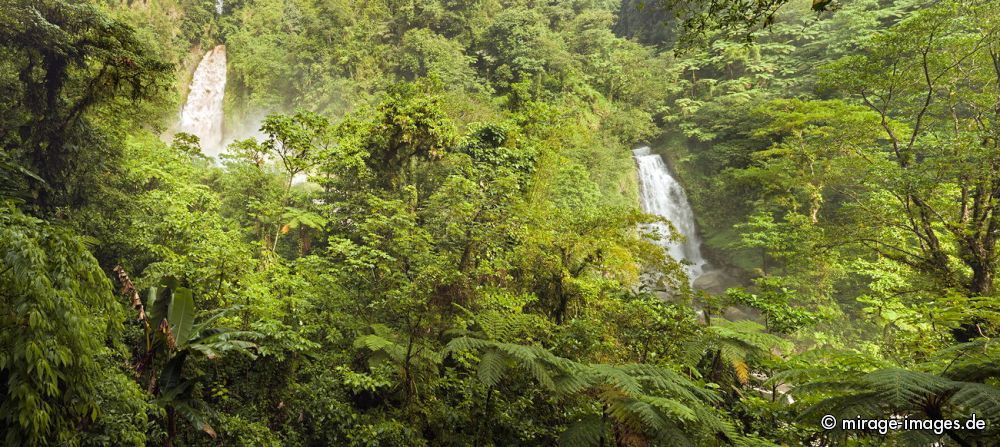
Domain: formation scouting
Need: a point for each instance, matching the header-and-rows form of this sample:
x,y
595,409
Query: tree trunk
x,y
288,190
561,299
982,277
171,427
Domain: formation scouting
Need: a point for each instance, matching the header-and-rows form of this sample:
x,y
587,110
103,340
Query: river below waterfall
x,y
661,194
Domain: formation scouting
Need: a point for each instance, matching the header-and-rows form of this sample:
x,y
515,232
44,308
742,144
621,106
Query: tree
x,y
929,80
63,60
514,48
733,16
295,142
382,147
57,311
426,54
817,152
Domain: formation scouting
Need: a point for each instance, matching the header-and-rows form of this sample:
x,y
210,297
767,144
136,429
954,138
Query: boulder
x,y
715,282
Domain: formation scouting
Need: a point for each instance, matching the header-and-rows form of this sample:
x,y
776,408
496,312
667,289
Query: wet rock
x,y
739,313
715,282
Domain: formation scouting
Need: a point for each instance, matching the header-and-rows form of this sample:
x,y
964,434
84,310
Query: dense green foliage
x,y
425,230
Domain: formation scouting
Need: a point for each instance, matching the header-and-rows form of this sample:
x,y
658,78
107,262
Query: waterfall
x,y
202,113
218,7
663,196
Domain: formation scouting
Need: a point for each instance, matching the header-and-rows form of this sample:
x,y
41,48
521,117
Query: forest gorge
x,y
498,222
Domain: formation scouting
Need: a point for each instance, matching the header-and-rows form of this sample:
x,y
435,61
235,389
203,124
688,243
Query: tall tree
x,y
934,81
63,59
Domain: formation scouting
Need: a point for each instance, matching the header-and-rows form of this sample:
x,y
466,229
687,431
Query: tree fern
x,y
733,348
378,344
415,361
978,398
924,392
587,431
654,403
901,388
974,361
670,382
672,407
616,377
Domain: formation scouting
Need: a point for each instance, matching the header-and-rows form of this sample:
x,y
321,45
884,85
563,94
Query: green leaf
x,y
979,398
491,367
171,381
181,315
156,304
587,431
902,388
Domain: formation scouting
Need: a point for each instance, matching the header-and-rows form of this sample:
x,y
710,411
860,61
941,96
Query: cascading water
x,y
202,113
663,196
218,7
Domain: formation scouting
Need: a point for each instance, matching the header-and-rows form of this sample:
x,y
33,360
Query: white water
x,y
202,113
218,7
663,196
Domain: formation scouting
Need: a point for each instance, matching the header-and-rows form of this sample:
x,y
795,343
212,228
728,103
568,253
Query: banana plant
x,y
172,337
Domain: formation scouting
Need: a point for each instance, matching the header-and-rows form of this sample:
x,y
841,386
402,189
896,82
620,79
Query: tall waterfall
x,y
202,113
663,196
218,7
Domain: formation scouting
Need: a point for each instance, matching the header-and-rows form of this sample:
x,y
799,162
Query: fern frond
x,y
866,404
979,398
800,375
742,371
638,414
749,334
695,349
585,432
491,367
974,361
541,374
673,436
380,345
616,377
710,419
465,343
732,354
669,381
670,406
753,441
845,384
841,359
373,342
573,378
902,388
523,354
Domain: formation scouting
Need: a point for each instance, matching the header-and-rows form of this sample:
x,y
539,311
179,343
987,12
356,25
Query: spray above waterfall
x,y
661,194
202,113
